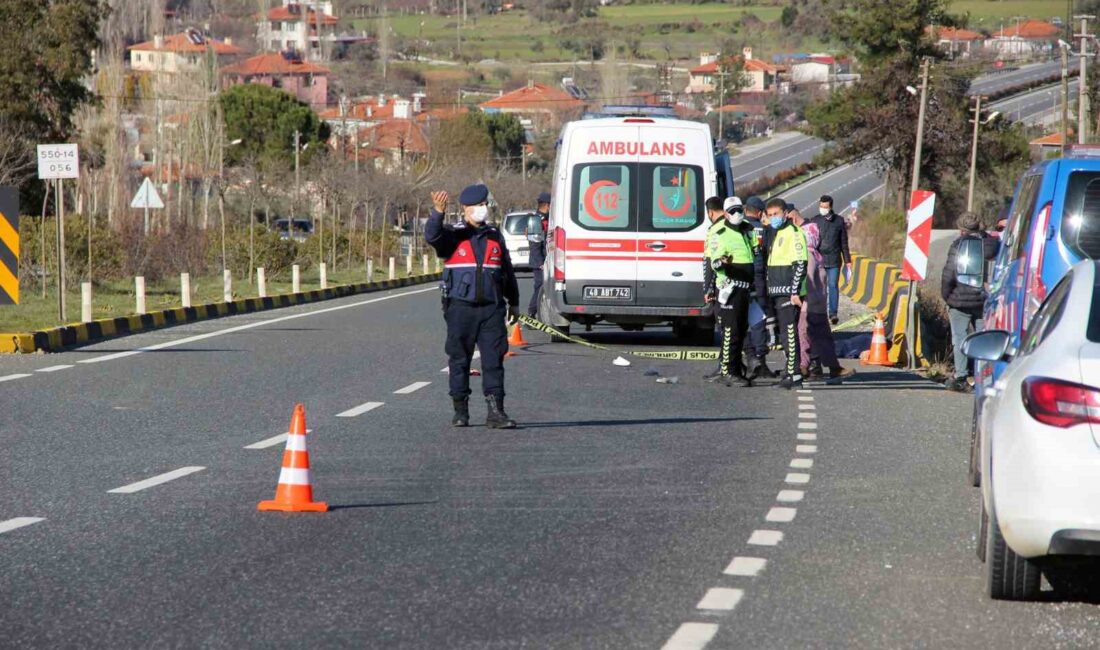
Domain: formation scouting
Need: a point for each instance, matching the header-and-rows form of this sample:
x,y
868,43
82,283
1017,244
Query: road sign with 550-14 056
x,y
58,161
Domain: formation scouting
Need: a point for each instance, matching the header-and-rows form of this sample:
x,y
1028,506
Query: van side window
x,y
1023,213
603,196
674,197
1081,214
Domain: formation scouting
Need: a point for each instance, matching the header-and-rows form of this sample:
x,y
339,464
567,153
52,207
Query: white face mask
x,y
479,214
735,219
823,211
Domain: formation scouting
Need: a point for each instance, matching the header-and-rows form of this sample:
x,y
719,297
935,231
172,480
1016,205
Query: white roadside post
x,y
409,265
185,289
295,279
393,268
85,302
261,282
227,285
139,291
370,270
424,264
324,275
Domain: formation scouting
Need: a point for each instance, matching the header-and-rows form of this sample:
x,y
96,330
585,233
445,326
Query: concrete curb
x,y
59,338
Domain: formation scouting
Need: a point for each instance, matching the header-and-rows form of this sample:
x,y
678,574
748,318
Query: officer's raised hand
x,y
439,201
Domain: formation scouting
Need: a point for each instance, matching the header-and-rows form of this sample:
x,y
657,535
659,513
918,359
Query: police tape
x,y
668,355
852,323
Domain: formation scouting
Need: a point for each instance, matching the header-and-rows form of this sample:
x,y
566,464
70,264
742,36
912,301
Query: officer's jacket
x,y
538,248
730,257
477,268
787,258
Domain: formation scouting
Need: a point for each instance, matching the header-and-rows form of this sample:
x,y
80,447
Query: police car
x,y
627,223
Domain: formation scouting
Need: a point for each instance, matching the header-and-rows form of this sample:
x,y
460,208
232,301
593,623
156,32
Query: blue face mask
x,y
775,222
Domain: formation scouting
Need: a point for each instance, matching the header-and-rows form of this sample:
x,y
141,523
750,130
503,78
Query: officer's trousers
x,y
733,322
786,315
483,326
536,293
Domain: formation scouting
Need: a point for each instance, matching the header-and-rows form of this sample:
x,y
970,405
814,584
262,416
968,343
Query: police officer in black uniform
x,y
478,280
536,241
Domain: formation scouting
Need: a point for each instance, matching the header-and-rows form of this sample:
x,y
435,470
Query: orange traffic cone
x,y
294,492
516,338
878,354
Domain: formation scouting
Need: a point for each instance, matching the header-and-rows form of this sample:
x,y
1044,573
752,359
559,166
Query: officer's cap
x,y
474,195
755,202
544,197
732,204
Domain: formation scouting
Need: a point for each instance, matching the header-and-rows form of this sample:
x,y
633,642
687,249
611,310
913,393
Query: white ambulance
x,y
627,223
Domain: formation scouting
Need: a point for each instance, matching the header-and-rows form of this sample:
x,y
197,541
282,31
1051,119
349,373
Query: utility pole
x,y
911,321
1065,97
1082,94
721,98
297,174
974,152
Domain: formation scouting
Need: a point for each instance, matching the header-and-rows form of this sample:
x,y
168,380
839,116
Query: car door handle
x,y
656,245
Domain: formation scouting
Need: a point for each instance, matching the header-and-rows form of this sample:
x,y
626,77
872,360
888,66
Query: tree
x,y
884,31
789,15
264,119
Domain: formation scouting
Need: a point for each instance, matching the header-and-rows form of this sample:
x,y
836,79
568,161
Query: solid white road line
x,y
781,515
18,522
691,636
807,436
720,598
55,368
270,442
790,496
359,410
807,425
248,326
802,463
805,449
411,388
797,479
13,377
156,480
765,537
745,566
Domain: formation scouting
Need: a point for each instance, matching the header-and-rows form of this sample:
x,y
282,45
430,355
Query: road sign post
x,y
922,205
145,198
58,162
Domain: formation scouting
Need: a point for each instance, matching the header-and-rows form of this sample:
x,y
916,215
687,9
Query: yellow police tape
x,y
669,355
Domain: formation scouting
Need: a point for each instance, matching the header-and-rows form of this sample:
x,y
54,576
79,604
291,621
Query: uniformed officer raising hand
x,y
478,280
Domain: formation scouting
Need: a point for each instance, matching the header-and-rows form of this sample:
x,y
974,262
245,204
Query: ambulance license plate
x,y
607,293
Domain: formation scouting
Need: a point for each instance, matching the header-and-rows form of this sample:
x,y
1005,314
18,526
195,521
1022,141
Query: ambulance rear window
x,y
603,196
673,192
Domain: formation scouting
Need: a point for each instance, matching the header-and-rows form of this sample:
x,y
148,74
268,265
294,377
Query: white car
x,y
1040,440
516,226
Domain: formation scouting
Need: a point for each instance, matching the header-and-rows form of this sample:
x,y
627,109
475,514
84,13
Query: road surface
x,y
994,82
623,513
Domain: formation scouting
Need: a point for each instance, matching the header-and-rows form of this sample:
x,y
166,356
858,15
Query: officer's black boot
x,y
497,418
462,412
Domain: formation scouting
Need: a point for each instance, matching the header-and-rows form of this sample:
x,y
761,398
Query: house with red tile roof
x,y
760,76
285,70
1026,39
179,52
956,41
294,26
545,106
348,115
390,144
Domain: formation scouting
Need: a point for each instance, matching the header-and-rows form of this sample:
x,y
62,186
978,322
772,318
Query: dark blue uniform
x,y
537,244
478,281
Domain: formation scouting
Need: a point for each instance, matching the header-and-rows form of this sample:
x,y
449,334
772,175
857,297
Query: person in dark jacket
x,y
965,303
478,280
834,250
536,241
758,330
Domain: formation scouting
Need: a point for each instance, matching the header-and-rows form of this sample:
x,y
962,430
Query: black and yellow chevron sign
x,y
9,246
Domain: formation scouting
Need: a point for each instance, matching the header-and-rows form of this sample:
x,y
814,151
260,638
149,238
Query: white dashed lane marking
x,y
805,398
781,515
156,480
691,636
18,522
797,479
806,407
55,368
720,598
765,537
361,409
411,388
807,415
806,449
790,496
13,377
802,463
807,436
807,425
269,442
746,566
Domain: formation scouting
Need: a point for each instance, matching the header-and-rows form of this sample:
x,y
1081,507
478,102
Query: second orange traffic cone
x,y
878,355
295,492
516,338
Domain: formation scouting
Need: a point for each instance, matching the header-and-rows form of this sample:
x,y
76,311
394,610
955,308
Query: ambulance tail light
x,y
559,254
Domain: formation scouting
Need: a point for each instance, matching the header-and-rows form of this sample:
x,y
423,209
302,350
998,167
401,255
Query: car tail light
x,y
1036,288
559,255
1060,403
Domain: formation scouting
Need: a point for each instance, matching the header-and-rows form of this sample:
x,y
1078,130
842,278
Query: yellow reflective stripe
x,y
9,236
9,283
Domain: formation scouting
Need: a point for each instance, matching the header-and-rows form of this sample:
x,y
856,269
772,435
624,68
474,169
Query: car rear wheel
x,y
1008,575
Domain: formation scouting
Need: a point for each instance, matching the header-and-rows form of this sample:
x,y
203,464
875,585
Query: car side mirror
x,y
970,263
535,233
990,345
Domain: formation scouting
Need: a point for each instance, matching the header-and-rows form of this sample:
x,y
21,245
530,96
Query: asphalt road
x,y
611,519
993,82
786,152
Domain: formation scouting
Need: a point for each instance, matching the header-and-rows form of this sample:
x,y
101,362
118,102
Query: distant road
x,y
994,82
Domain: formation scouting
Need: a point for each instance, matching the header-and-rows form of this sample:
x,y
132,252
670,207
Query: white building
x,y
178,52
293,26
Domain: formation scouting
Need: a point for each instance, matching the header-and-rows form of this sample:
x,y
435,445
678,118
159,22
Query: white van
x,y
627,223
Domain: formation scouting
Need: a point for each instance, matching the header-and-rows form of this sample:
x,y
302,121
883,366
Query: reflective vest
x,y
732,242
787,261
473,275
